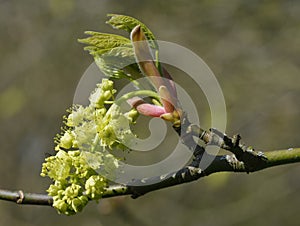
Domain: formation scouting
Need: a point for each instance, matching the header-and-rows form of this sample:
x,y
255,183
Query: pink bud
x,y
150,110
146,109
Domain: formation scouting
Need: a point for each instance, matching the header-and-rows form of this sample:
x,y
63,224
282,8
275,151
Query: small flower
x,y
66,141
79,203
94,186
57,167
132,115
102,93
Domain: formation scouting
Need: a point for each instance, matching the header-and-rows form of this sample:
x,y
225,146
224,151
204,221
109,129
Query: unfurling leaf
x,y
104,42
127,23
113,54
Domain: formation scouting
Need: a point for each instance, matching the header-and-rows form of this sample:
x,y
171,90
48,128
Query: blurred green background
x,y
253,47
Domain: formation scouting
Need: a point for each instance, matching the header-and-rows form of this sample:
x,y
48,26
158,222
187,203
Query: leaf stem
x,y
147,93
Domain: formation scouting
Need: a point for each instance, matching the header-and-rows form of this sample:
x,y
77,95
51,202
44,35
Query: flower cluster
x,y
83,148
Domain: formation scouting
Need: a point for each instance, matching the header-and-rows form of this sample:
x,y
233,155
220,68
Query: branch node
x,y
20,197
236,140
251,159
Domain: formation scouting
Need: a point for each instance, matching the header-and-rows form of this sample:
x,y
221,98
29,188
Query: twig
x,y
21,197
225,163
246,154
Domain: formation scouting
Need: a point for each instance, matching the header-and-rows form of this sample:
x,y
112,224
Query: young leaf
x,y
118,62
127,23
113,54
102,42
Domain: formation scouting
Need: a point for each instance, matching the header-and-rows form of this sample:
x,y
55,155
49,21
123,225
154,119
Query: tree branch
x,y
21,197
224,163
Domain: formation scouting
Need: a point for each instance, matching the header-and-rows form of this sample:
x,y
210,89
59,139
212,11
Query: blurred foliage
x,y
12,101
253,48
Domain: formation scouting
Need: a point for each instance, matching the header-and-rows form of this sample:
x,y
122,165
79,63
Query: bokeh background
x,y
253,48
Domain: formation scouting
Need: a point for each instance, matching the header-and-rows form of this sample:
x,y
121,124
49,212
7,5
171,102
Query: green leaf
x,y
102,42
113,54
127,23
118,62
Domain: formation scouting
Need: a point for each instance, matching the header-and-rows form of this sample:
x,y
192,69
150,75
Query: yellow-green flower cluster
x,y
67,200
83,158
93,186
72,181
